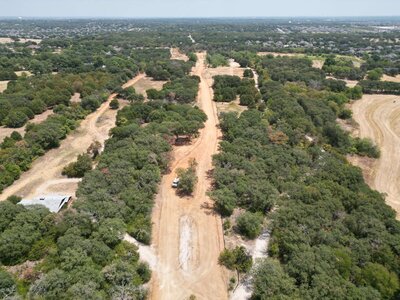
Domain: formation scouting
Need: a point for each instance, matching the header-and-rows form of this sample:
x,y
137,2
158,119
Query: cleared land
x,y
187,235
45,173
391,78
178,55
145,83
378,117
5,131
3,85
6,40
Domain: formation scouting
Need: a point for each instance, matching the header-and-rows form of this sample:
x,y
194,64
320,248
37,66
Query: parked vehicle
x,y
175,183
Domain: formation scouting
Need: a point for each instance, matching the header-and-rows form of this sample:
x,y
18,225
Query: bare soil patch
x,y
3,85
178,55
379,119
76,98
146,83
20,73
391,78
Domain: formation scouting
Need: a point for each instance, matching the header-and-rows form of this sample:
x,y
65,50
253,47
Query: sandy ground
x,y
6,40
186,230
4,131
391,78
147,253
20,73
3,85
378,117
233,69
45,173
178,55
76,98
146,83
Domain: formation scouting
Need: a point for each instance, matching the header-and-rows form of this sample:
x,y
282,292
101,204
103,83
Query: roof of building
x,y
53,202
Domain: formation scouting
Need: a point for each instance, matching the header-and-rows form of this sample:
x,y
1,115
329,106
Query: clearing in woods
x,y
378,117
187,234
45,173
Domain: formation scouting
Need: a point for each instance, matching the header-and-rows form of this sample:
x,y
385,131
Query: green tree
x,y
187,178
114,104
79,168
249,224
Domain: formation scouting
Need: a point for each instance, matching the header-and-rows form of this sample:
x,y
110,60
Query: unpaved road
x,y
45,173
379,119
187,235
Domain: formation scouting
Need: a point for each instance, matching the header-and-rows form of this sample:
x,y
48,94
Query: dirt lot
x,y
146,83
187,235
6,40
4,131
178,55
379,119
391,78
45,173
20,73
3,85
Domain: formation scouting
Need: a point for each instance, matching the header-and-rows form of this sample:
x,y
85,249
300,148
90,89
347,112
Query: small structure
x,y
53,202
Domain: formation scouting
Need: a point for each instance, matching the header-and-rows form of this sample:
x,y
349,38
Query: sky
x,y
197,8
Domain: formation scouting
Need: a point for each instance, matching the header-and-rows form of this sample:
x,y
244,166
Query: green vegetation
x,y
327,217
187,178
228,88
380,87
343,68
79,168
217,60
181,90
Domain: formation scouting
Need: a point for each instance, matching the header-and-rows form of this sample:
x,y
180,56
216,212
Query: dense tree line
x,y
380,87
181,90
328,221
83,251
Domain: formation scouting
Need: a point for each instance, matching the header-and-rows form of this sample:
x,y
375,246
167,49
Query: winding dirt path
x,y
45,173
187,235
379,120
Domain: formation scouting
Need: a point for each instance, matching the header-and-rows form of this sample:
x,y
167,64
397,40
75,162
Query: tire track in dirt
x,y
201,275
379,117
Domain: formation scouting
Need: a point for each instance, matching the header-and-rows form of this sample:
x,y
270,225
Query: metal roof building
x,y
53,202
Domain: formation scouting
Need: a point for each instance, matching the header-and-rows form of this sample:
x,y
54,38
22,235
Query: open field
x,y
187,234
5,131
378,117
45,173
178,55
146,83
27,73
233,69
391,78
3,85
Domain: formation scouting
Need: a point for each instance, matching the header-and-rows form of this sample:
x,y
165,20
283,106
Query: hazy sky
x,y
197,8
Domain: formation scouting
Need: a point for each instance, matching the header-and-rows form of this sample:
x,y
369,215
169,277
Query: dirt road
x,y
379,119
45,173
187,235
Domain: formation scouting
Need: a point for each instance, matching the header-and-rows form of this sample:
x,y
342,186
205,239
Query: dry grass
x,y
176,54
20,73
146,83
225,107
4,40
391,78
3,85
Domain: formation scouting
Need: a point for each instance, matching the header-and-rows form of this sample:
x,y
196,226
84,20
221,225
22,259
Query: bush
x,y
16,119
249,224
114,104
187,178
79,168
365,147
236,259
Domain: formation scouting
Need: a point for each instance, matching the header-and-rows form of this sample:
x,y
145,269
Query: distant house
x,y
53,202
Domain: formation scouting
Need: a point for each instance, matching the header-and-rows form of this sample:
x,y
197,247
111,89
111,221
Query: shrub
x,y
79,168
114,104
187,178
249,224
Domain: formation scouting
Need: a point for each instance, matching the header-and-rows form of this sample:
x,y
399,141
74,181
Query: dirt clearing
x,y
391,78
197,240
45,173
379,119
178,55
3,85
145,83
